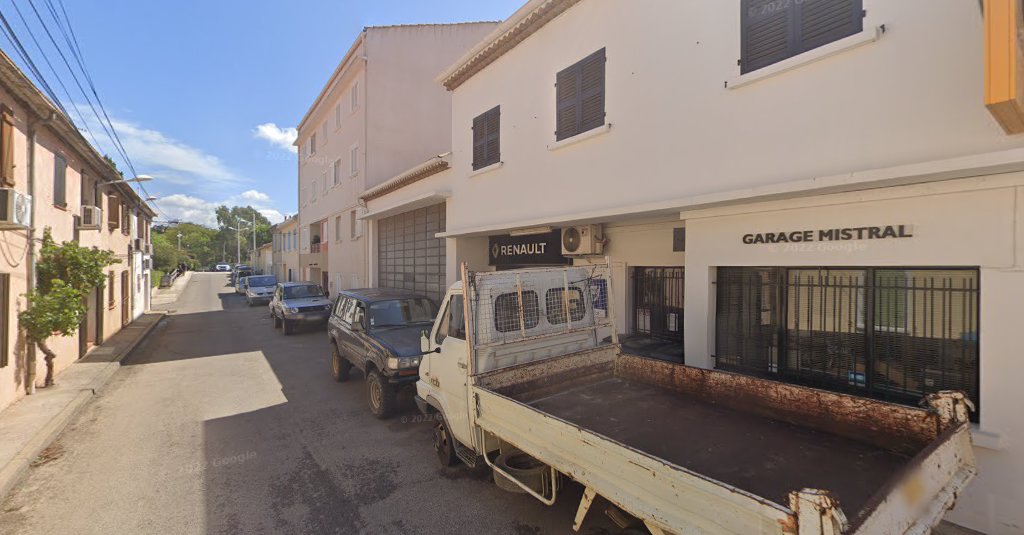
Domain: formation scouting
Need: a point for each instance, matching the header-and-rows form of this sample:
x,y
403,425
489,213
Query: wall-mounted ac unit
x,y
15,209
582,240
92,217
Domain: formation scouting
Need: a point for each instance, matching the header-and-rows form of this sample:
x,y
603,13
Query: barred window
x,y
506,311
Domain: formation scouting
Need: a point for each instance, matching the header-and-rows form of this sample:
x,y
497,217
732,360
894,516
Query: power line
x,y
23,53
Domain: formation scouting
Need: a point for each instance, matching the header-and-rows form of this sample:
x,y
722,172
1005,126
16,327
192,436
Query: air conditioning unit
x,y
92,217
582,240
15,209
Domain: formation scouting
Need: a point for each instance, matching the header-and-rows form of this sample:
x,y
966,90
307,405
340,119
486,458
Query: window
x,y
354,97
579,93
337,115
111,294
486,138
323,182
355,225
113,211
323,132
5,320
303,195
884,333
773,31
126,220
453,323
312,144
313,196
336,171
337,228
555,305
60,177
339,306
353,161
506,311
6,147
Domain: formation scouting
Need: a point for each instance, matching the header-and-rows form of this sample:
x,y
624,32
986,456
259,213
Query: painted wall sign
x,y
832,234
505,250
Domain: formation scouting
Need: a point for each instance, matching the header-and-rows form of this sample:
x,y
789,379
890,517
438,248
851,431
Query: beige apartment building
x,y
379,113
285,256
814,192
53,178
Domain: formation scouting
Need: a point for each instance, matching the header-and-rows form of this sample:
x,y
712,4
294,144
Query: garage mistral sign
x,y
831,235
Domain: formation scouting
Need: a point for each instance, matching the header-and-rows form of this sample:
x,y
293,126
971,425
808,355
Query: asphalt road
x,y
218,423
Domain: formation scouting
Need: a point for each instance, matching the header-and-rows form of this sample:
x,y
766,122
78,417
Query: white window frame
x,y
353,97
314,190
337,116
337,228
312,144
336,171
356,224
353,163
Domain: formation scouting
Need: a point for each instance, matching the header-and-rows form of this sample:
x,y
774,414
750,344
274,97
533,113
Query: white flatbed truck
x,y
518,363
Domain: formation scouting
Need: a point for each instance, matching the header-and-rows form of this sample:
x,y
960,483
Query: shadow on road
x,y
312,459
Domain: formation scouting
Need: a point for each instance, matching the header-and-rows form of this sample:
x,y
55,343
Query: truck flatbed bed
x,y
760,455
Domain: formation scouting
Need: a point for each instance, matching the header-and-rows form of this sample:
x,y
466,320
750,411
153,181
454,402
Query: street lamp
x,y
140,178
238,252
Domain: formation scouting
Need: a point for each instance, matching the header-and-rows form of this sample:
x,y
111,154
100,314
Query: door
x,y
409,256
325,282
448,369
126,299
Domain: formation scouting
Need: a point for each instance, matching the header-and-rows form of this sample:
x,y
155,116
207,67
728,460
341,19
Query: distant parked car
x,y
299,302
378,331
223,267
239,272
260,289
241,285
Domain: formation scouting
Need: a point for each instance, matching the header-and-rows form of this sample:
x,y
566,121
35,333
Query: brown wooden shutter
x,y
113,211
825,21
567,97
6,147
773,31
768,33
580,96
592,91
493,140
479,141
60,174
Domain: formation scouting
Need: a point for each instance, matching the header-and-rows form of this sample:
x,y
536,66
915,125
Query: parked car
x,y
378,331
241,285
259,289
222,267
299,302
239,272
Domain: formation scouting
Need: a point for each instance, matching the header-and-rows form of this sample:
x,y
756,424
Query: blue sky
x,y
187,83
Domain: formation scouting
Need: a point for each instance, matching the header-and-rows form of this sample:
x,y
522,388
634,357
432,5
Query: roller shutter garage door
x,y
408,255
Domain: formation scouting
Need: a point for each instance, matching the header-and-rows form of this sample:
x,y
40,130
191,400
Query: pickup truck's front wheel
x,y
443,445
381,394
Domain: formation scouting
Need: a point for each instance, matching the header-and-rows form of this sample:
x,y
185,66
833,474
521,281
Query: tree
x,y
228,217
200,246
66,273
113,164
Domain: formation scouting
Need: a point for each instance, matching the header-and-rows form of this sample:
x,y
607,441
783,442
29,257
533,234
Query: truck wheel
x,y
277,321
340,366
381,394
289,327
443,442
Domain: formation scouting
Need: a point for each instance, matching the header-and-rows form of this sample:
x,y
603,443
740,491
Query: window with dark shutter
x,y
6,147
60,173
774,30
579,91
487,138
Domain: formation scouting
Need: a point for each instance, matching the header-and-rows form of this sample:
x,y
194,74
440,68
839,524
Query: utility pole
x,y
179,241
252,259
238,245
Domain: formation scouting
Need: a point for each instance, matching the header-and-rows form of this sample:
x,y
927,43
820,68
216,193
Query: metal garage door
x,y
408,254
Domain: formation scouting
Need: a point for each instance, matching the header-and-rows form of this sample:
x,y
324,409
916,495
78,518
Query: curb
x,y
15,470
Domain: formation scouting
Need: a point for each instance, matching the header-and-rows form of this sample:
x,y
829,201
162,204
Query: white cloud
x,y
283,138
182,207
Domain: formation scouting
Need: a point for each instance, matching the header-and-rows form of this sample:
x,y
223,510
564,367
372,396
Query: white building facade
x,y
839,210
380,113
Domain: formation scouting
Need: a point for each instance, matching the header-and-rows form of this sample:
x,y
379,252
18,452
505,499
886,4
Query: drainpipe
x,y
30,358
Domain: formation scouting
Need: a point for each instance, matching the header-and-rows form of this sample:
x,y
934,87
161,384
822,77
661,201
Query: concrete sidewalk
x,y
31,423
165,296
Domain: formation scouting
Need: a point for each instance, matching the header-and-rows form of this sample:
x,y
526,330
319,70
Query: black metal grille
x,y
658,302
888,333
